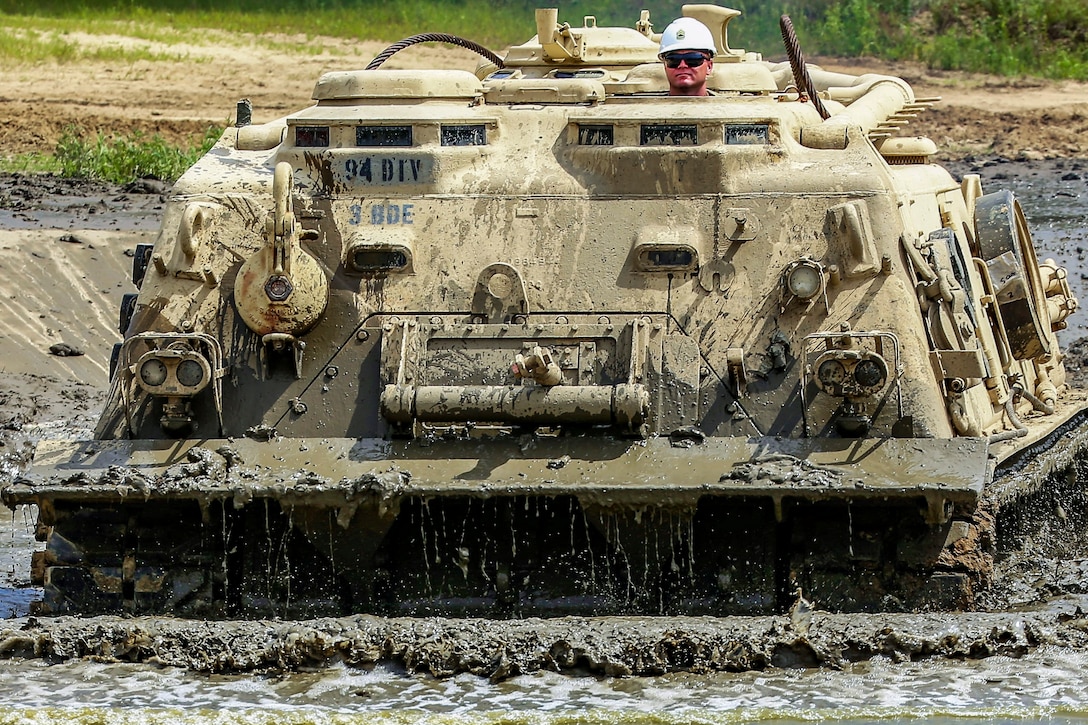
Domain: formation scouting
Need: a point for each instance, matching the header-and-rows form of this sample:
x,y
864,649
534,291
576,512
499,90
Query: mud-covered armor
x,y
540,339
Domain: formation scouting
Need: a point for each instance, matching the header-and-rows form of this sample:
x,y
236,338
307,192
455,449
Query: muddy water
x,y
1046,686
16,541
1043,681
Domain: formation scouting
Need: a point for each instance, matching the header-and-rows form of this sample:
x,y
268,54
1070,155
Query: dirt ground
x,y
978,115
64,247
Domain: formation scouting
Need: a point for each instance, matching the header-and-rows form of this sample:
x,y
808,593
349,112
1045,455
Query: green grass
x,y
121,159
1047,38
481,20
34,163
30,46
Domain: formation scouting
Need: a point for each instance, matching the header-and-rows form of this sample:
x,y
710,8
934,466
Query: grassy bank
x,y
1012,37
119,159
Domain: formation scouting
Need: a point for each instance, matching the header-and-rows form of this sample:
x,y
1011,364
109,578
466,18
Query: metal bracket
x,y
279,341
738,373
500,294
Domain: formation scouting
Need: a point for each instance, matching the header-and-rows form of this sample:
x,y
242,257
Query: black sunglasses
x,y
693,60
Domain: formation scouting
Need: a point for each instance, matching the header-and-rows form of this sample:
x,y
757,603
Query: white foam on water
x,y
1049,683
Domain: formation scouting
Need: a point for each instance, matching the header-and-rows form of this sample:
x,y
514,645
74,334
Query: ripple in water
x,y
1047,685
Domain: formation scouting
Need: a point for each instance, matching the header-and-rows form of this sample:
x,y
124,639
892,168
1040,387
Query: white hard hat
x,y
687,34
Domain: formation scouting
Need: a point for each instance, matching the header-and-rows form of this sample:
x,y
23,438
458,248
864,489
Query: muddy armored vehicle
x,y
541,339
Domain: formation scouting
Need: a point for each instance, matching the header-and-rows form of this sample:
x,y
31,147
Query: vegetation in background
x,y
122,159
23,43
1044,37
1012,37
33,163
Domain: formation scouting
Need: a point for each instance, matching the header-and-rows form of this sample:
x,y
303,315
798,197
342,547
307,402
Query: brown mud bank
x,y
614,646
179,99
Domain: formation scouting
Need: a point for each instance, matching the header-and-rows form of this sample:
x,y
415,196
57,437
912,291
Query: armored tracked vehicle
x,y
541,339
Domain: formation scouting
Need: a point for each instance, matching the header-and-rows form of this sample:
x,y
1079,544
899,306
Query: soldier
x,y
687,49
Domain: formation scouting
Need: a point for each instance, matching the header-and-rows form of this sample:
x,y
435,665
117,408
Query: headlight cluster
x,y
851,373
172,371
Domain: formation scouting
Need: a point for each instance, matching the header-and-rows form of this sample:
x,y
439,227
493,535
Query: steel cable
x,y
800,69
434,38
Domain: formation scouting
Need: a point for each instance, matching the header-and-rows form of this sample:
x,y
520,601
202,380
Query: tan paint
x,y
446,233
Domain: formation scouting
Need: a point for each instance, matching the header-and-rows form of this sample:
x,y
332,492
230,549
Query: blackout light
x,y
312,136
665,257
381,258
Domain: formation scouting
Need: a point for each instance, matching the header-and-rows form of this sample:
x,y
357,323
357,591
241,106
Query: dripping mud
x,y
64,258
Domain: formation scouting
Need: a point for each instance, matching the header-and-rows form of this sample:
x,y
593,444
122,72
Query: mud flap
x,y
336,471
550,526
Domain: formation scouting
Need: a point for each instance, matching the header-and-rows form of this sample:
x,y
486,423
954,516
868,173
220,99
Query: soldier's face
x,y
687,72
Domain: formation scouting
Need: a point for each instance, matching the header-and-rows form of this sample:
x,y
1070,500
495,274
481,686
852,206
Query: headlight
x,y
851,373
804,279
153,372
871,374
190,373
831,372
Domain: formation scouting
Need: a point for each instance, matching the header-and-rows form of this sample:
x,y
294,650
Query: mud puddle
x,y
39,201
